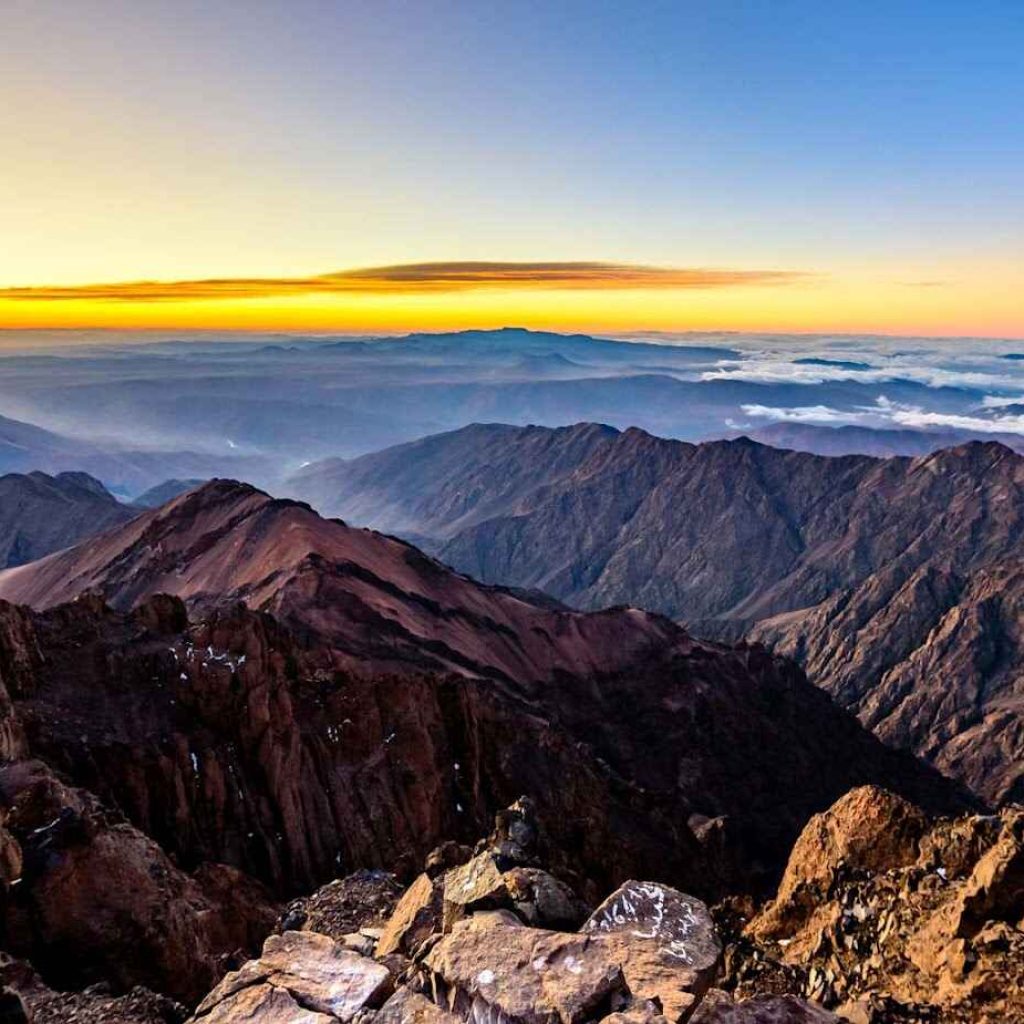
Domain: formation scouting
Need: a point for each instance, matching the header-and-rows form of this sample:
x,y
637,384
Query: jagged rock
x,y
543,900
300,969
964,938
514,841
100,901
406,1007
478,884
492,964
416,917
897,938
264,1004
868,829
448,855
664,940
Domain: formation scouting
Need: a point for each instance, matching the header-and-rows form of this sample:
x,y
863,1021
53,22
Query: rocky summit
x,y
884,915
246,753
464,945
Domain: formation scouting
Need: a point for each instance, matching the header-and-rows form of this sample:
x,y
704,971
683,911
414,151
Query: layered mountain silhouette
x,y
879,441
893,581
123,468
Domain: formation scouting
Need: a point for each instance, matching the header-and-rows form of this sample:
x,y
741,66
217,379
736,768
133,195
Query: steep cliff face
x,y
950,685
864,569
231,740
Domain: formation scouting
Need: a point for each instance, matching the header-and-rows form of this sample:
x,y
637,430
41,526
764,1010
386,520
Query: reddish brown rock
x,y
868,829
98,900
300,977
665,942
492,964
890,936
417,916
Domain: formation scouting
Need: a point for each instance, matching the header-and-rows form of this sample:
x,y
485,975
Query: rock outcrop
x,y
886,916
95,900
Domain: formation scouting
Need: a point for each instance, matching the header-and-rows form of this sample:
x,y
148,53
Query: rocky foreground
x,y
883,915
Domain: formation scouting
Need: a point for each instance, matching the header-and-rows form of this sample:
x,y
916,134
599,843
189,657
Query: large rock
x,y
300,969
416,917
664,940
478,884
883,935
543,900
100,901
491,964
869,829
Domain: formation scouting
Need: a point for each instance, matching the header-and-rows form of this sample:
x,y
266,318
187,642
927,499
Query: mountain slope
x,y
848,564
370,702
40,514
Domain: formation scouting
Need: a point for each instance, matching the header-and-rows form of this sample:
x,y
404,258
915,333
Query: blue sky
x,y
154,139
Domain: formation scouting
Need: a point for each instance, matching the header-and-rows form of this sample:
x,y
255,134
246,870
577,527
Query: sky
x,y
346,166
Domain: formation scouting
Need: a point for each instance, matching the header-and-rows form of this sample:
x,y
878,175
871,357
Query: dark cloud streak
x,y
411,278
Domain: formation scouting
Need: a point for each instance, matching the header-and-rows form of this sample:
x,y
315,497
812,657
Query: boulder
x,y
313,971
264,1004
869,829
491,964
477,884
543,900
664,940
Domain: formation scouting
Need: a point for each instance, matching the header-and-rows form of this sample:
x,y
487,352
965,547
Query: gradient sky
x,y
764,165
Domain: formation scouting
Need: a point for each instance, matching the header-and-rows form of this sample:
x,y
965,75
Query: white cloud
x,y
914,417
1000,401
804,414
785,371
888,413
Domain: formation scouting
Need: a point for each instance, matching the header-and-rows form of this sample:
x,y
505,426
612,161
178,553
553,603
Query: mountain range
x,y
230,692
863,569
649,662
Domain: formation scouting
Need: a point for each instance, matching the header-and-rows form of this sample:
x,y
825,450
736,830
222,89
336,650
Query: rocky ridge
x,y
896,582
339,699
